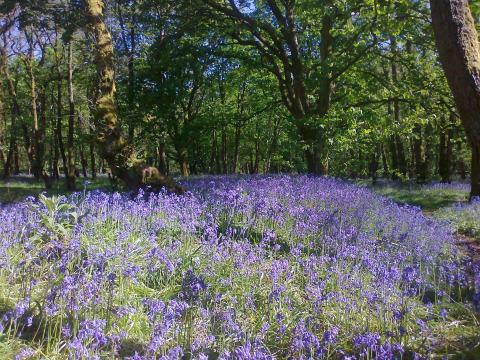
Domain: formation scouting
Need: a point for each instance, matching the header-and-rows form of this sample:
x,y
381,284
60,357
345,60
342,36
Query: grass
x,y
19,187
446,202
429,197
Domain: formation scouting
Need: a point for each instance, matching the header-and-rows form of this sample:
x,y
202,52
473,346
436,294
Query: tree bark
x,y
71,171
214,163
162,157
58,125
15,114
313,148
112,146
460,162
418,155
81,151
224,150
55,153
37,151
93,166
182,156
459,53
384,161
443,157
16,160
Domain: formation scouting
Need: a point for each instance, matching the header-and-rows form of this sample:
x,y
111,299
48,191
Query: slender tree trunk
x,y
374,164
83,161
460,162
224,150
449,149
71,171
273,147
7,170
399,149
16,160
392,145
442,157
34,156
384,161
93,166
56,154
256,165
402,162
37,151
236,149
214,164
81,149
418,155
475,173
182,155
58,127
15,113
459,52
162,157
40,152
113,148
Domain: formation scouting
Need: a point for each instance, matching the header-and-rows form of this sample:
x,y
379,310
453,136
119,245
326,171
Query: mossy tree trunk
x,y
459,52
119,155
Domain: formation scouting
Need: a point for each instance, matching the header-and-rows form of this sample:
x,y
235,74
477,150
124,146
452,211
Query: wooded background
x,y
350,89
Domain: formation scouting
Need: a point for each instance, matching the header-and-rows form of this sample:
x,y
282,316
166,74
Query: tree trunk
x,y
55,154
33,150
400,151
58,127
214,163
384,161
183,161
475,174
9,162
256,165
236,149
15,113
224,150
162,157
418,155
460,162
313,148
374,164
16,160
443,168
273,167
112,146
93,166
81,150
459,53
40,152
37,151
71,171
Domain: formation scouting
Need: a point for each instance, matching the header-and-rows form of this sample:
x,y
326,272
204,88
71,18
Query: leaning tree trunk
x,y
459,52
112,146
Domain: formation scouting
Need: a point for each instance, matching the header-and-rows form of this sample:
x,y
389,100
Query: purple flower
x,y
192,286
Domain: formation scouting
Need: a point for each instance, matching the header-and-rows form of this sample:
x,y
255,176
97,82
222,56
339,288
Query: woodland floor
x,y
445,202
432,199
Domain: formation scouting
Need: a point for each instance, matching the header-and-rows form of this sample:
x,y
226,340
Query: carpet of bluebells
x,y
239,268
